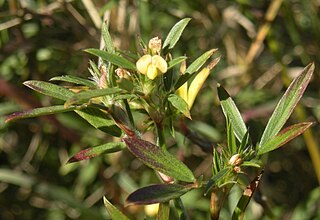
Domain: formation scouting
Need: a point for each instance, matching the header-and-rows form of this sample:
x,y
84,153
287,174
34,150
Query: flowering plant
x,y
164,89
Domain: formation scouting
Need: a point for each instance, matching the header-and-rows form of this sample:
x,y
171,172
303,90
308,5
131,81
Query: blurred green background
x,y
263,44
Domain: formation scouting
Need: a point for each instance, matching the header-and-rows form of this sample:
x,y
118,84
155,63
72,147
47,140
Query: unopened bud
x,y
235,160
122,73
155,45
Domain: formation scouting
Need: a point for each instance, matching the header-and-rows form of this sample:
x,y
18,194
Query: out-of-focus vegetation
x,y
263,44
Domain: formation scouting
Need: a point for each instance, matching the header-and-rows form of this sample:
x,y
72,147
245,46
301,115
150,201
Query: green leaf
x,y
245,198
159,159
112,58
213,181
194,66
75,80
179,104
49,89
176,61
38,112
107,37
113,211
283,137
286,104
246,140
157,193
175,33
100,120
84,96
198,63
231,140
231,111
96,151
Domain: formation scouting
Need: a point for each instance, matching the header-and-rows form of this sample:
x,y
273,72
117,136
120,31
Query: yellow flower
x,y
152,66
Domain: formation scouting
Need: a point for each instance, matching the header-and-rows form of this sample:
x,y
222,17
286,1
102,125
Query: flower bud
x,y
122,73
155,45
235,160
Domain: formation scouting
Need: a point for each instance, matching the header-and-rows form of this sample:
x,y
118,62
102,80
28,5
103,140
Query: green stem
x,y
160,136
182,212
164,211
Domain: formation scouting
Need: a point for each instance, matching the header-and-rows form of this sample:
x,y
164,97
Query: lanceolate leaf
x,y
96,151
195,66
74,79
179,104
283,137
175,33
112,58
156,194
213,181
84,96
159,159
100,120
49,89
39,112
106,37
113,211
198,63
286,104
176,61
231,111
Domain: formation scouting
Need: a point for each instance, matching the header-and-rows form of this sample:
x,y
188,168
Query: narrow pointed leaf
x,y
96,151
113,211
175,33
49,89
107,37
231,111
176,61
100,120
85,96
244,142
231,140
213,181
75,80
283,137
159,159
194,67
38,112
156,194
179,104
112,58
287,104
245,198
198,63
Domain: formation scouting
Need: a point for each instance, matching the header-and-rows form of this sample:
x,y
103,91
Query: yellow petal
x,y
159,63
152,72
143,63
196,85
198,81
183,91
151,210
